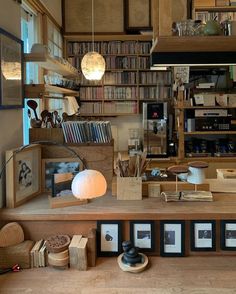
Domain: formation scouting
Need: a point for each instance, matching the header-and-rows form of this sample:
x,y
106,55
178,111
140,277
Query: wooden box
x,y
129,188
19,253
204,3
46,134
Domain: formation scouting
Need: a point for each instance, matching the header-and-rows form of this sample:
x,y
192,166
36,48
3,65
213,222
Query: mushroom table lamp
x,y
89,184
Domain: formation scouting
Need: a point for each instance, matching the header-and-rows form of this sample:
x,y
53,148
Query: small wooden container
x,y
129,188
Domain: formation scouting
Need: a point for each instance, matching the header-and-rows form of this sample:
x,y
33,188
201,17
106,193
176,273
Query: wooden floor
x,y
198,275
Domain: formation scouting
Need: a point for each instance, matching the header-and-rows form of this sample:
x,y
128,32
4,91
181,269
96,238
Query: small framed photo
x,y
202,235
228,235
23,174
53,166
172,234
11,81
142,235
109,238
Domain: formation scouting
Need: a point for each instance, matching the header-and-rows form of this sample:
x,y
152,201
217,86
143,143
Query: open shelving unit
x,y
51,64
128,79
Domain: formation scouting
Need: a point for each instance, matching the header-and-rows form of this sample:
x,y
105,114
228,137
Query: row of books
x,y
87,131
109,108
108,92
39,254
91,108
109,47
158,92
160,78
120,78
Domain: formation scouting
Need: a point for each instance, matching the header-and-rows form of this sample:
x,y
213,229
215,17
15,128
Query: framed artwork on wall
x,y
142,235
53,166
109,238
11,83
138,15
228,235
172,234
23,175
202,235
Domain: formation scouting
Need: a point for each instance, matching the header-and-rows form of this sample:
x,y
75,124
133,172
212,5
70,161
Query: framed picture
x,y
61,184
108,16
228,235
53,166
23,175
172,238
202,235
109,238
142,235
138,15
11,85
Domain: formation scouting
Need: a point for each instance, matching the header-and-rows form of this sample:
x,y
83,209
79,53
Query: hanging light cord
x,y
93,25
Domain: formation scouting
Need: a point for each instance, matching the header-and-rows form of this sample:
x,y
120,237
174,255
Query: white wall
x,y
123,124
11,123
54,7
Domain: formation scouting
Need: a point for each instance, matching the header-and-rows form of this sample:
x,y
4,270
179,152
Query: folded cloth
x,y
70,105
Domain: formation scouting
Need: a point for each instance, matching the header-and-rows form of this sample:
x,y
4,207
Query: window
x,y
29,36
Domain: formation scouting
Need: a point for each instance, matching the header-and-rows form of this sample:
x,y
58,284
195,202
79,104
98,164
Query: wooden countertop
x,y
109,208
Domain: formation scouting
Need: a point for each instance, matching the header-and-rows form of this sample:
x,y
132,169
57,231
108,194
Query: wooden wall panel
x,y
108,16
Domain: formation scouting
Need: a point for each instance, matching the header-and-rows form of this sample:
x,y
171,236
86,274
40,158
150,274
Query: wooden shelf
x,y
47,62
216,9
211,133
205,107
39,90
104,38
195,44
108,114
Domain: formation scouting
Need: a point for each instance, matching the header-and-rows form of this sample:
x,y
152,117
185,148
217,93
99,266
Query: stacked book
x,y
200,196
38,254
87,131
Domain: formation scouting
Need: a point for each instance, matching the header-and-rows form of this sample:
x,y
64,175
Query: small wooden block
x,y
129,188
178,169
60,262
64,201
11,234
82,255
92,247
73,250
19,253
226,174
154,190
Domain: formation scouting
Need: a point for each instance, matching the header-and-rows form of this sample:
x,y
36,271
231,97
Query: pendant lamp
x,y
93,64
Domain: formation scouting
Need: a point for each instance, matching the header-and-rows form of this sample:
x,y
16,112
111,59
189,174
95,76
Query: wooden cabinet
x,y
209,133
128,79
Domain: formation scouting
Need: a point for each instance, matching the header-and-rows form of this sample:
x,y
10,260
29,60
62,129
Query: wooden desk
x,y
40,221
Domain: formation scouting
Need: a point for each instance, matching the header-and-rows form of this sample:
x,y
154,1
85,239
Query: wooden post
x,y
82,255
92,247
180,123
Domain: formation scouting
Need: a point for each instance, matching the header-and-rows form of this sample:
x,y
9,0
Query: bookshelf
x,y
128,79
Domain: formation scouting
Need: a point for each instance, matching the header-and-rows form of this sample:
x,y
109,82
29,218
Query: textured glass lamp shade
x,y
93,66
88,184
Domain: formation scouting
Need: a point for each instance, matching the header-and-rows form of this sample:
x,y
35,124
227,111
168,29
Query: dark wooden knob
x,y
178,169
198,164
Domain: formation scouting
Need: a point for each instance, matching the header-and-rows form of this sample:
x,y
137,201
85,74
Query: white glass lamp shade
x,y
93,66
88,184
196,175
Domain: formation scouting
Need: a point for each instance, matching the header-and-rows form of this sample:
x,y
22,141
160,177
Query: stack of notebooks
x,y
187,196
38,254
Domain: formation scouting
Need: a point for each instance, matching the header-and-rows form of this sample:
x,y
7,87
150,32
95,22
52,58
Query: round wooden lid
x,y
198,164
178,169
57,243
